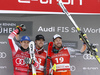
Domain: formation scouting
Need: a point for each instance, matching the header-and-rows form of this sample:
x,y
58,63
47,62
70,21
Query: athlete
x,y
20,50
61,56
40,54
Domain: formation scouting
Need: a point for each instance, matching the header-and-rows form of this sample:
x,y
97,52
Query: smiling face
x,y
39,43
24,44
58,42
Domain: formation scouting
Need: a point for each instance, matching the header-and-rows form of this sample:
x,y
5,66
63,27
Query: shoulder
x,y
69,49
65,48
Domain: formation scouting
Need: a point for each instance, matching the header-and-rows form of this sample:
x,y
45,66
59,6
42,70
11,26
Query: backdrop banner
x,y
49,6
49,25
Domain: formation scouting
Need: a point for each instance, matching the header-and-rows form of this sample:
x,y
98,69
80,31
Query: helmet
x,y
25,38
38,37
56,36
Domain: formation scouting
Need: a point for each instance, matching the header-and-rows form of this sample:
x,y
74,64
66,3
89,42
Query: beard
x,y
58,46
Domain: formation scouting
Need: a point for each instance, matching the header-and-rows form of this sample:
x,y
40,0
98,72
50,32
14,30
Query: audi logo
x,y
72,68
20,61
3,55
88,57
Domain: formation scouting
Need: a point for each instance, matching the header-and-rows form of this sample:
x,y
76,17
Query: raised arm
x,y
11,37
12,43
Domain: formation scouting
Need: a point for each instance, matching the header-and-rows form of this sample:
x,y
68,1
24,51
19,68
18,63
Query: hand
x,y
29,61
21,27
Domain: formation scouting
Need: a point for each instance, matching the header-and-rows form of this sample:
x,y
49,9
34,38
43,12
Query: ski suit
x,y
62,60
41,57
18,56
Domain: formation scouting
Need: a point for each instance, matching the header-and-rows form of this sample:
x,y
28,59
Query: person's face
x,y
25,44
39,43
58,42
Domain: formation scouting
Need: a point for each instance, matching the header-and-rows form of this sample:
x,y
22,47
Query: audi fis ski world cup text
x,y
68,29
67,2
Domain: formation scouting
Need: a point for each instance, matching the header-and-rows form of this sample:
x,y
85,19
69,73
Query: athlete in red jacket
x,y
40,54
61,56
20,52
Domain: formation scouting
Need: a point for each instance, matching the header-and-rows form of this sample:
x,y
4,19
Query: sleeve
x,y
73,51
12,43
17,42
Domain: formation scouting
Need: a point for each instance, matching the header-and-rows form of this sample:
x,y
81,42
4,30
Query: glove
x,y
21,28
29,61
